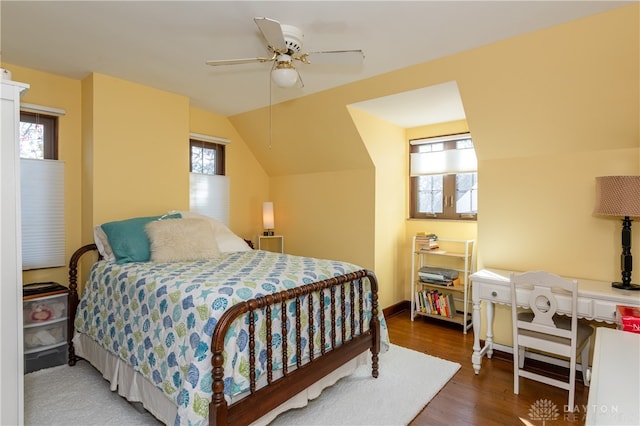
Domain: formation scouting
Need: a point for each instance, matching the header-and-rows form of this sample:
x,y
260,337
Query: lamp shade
x,y
284,74
284,77
618,196
268,221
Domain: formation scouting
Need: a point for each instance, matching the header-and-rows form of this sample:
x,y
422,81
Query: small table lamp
x,y
620,196
267,218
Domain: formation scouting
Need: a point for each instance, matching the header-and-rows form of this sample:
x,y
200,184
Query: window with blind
x,y
41,192
443,178
208,185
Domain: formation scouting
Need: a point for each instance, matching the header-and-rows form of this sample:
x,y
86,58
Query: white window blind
x,y
42,213
209,195
448,161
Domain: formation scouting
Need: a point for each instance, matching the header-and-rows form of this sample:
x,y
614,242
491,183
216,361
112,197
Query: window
x,y
41,191
206,157
444,178
38,136
208,185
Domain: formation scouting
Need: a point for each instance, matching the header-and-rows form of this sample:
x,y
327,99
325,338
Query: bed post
x,y
375,324
218,407
73,297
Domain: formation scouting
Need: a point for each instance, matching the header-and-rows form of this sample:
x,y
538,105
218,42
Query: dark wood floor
x,y
483,399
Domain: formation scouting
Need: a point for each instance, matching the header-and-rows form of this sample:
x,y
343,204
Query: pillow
x,y
226,239
181,240
102,242
128,240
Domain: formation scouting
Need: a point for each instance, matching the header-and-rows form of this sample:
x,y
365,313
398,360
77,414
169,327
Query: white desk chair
x,y
543,330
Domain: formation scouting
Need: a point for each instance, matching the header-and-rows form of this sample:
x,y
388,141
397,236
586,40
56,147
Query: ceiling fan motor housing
x,y
293,37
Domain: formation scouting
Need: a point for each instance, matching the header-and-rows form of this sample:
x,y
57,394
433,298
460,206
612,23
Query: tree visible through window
x,y
444,180
207,157
38,136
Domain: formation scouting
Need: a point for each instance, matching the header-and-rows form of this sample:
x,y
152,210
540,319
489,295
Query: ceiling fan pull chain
x,y
270,110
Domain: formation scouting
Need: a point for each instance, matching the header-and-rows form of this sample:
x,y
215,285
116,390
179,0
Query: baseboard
x,y
392,310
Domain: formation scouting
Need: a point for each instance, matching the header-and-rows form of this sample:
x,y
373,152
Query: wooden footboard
x,y
341,347
265,399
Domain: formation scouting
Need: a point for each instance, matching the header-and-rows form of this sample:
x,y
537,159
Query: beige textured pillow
x,y
181,240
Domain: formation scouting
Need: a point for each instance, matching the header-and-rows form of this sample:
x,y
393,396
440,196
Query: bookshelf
x,y
437,294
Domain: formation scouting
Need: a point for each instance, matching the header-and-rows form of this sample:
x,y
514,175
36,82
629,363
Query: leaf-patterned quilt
x,y
159,317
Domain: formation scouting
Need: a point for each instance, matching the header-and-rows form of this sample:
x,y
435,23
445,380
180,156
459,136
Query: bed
x,y
219,335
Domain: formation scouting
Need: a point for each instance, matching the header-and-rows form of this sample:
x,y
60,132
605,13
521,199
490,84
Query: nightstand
x,y
45,325
274,243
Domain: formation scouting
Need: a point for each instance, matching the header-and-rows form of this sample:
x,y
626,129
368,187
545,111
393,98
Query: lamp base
x,y
621,286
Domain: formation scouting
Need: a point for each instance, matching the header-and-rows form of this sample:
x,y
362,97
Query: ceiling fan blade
x,y
272,33
216,63
334,57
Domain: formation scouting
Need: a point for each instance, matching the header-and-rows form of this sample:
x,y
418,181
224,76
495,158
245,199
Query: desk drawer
x,y
604,311
498,294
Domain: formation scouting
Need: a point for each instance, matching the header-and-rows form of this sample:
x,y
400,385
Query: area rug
x,y
408,381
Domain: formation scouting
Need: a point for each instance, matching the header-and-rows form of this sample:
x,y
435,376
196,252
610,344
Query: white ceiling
x,y
165,44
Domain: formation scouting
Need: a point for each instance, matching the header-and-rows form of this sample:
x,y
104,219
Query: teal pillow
x,y
128,239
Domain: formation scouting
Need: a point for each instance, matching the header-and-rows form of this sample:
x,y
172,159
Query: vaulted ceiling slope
x,y
164,44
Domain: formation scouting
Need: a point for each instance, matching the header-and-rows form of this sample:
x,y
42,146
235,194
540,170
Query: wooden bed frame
x,y
261,401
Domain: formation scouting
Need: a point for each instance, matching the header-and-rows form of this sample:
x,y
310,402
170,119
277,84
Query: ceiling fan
x,y
284,42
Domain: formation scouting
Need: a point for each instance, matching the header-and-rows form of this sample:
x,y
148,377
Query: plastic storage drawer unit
x,y
45,359
45,307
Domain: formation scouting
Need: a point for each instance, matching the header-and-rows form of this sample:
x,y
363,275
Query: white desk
x,y
597,301
615,384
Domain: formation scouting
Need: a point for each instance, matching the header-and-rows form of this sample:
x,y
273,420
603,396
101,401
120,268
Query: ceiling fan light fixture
x,y
284,73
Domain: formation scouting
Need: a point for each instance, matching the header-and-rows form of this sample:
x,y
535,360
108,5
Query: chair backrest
x,y
544,287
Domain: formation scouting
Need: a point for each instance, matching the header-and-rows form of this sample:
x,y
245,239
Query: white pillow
x,y
102,242
181,240
226,239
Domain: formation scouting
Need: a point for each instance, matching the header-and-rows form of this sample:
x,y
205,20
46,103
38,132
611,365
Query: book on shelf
x,y
443,283
442,276
433,302
426,242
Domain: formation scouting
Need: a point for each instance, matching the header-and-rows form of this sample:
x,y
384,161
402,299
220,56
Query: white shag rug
x,y
408,380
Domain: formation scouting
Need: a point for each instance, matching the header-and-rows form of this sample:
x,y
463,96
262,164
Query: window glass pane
x,y
196,159
430,147
464,144
430,194
467,193
208,161
31,140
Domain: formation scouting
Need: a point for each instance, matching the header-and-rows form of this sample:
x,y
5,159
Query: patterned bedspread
x,y
159,317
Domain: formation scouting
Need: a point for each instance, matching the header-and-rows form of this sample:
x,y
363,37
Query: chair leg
x,y
572,383
584,358
521,357
516,371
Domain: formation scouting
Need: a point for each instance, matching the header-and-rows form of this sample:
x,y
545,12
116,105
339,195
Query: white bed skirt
x,y
135,388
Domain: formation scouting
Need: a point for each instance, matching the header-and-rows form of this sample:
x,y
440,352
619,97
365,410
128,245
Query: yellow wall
x,y
140,150
316,211
386,144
